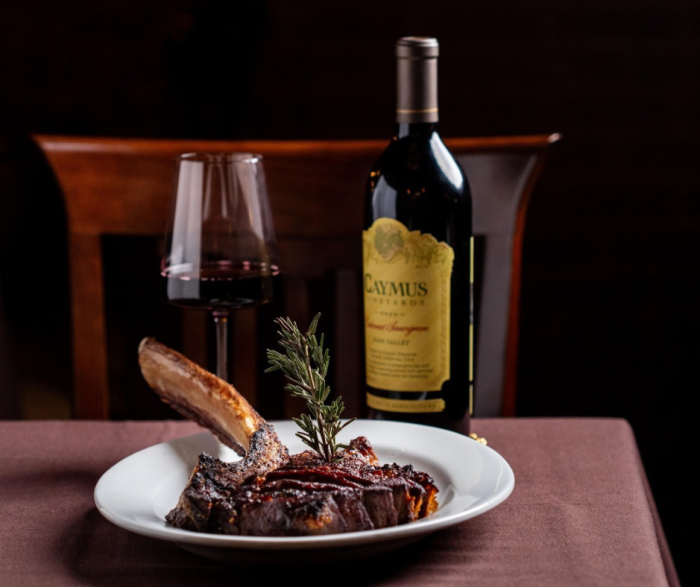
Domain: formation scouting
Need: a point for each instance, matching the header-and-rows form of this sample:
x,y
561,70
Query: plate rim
x,y
403,532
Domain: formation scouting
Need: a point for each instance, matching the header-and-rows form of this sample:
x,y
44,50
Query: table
x,y
581,514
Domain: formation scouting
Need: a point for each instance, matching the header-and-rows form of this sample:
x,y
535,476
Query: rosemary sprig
x,y
305,365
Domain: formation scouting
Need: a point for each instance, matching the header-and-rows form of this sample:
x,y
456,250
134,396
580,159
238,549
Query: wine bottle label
x,y
406,282
406,406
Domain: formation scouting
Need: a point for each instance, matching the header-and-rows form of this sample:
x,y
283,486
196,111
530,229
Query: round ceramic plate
x,y
137,492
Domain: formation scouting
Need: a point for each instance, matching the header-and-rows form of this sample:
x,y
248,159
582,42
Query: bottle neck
x,y
416,98
415,129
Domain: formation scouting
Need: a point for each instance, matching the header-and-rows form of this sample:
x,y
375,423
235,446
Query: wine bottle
x,y
417,262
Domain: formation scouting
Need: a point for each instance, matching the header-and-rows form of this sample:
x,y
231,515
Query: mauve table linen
x,y
580,514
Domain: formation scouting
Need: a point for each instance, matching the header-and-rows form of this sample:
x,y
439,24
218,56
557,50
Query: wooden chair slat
x,y
91,392
297,307
348,339
243,352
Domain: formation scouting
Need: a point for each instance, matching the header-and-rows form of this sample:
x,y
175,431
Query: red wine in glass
x,y
220,252
220,285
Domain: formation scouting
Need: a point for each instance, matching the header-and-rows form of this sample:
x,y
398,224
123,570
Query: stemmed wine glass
x,y
220,250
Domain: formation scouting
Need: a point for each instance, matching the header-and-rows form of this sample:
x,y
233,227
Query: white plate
x,y
137,492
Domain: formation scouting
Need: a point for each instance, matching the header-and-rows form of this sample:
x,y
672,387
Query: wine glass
x,y
220,249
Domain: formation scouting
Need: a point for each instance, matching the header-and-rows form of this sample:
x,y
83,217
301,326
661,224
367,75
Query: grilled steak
x,y
269,493
308,496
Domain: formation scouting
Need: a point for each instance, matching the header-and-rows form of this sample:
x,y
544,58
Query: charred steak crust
x,y
302,495
214,480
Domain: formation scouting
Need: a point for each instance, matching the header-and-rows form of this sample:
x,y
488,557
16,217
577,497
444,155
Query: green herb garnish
x,y
305,365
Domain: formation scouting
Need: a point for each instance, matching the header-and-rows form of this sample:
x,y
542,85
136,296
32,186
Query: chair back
x,y
122,187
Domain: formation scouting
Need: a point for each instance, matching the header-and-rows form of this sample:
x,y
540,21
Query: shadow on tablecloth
x,y
96,552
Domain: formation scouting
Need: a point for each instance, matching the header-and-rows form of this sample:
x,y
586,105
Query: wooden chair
x,y
122,187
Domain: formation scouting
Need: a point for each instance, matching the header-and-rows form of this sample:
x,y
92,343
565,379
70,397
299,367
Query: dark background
x,y
611,283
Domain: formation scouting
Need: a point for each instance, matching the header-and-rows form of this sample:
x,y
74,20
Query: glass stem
x,y
221,321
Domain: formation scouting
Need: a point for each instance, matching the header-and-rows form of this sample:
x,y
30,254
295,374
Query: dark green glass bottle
x,y
417,248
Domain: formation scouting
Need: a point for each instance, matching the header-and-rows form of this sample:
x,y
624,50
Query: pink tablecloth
x,y
580,514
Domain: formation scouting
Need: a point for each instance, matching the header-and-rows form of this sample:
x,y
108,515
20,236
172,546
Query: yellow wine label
x,y
471,326
406,281
405,406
